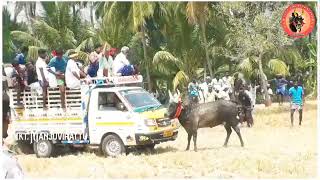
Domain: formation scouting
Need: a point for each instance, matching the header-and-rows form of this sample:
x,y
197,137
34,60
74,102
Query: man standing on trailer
x,y
42,73
59,63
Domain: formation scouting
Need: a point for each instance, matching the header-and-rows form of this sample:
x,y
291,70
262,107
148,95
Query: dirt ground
x,y
272,150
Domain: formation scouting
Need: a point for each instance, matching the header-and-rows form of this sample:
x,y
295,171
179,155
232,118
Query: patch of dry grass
x,y
272,150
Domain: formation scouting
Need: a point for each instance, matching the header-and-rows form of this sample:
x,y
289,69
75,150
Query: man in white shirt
x,y
121,60
42,73
73,73
211,94
215,83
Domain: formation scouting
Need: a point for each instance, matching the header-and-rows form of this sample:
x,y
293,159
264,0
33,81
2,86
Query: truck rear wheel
x,y
112,146
43,148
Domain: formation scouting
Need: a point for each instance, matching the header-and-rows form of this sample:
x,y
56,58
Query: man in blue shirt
x,y
281,84
59,63
193,91
297,95
21,56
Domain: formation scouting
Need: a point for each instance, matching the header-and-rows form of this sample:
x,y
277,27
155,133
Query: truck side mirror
x,y
121,107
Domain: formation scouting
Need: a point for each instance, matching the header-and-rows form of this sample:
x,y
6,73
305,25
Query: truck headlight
x,y
150,122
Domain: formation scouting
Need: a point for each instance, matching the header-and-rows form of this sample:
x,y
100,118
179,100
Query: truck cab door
x,y
107,113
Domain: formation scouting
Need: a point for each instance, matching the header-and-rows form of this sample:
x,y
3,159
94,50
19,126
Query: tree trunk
x,y
206,48
204,70
146,58
32,10
29,23
91,14
264,82
74,10
310,40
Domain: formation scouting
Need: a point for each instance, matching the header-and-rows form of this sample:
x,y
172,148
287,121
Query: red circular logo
x,y
298,20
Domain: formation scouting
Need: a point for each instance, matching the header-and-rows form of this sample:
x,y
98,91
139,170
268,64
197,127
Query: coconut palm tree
x,y
197,14
54,29
181,64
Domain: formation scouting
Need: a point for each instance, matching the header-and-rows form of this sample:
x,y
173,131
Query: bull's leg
x,y
195,141
229,131
237,129
189,139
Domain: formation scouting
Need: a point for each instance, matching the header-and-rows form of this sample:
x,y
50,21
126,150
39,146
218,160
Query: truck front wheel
x,y
112,146
43,148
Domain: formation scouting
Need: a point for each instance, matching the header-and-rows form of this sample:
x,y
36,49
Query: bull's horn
x,y
170,95
178,92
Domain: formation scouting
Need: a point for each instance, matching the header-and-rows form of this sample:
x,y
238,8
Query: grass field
x,y
272,150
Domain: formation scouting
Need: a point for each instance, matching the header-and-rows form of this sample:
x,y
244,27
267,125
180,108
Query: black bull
x,y
206,115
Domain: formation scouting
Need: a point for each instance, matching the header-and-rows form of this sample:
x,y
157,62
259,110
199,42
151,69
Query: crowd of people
x,y
65,70
226,88
243,93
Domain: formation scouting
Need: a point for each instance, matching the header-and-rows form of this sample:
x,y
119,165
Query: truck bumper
x,y
155,138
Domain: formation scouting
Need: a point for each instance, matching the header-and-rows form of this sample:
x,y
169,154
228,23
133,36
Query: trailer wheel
x,y
43,148
112,146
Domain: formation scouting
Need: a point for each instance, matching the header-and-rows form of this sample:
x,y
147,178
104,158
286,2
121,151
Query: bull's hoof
x,y
225,145
242,145
195,150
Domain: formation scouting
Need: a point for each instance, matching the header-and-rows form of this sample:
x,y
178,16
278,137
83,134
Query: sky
x,y
85,12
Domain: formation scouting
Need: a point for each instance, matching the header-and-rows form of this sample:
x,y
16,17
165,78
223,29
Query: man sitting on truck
x,y
94,59
59,63
121,64
73,72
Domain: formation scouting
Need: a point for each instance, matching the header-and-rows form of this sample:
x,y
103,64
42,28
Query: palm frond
x,y
46,33
245,66
278,67
32,53
165,62
141,11
164,56
25,38
180,78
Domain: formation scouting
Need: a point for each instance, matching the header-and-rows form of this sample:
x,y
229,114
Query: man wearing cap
x,y
121,64
59,63
73,72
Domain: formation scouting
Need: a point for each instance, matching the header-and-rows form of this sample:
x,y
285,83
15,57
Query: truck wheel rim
x,y
113,147
42,147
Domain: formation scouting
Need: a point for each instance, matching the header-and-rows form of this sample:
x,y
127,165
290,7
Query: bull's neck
x,y
183,115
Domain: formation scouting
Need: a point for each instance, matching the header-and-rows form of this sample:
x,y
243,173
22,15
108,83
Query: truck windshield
x,y
140,99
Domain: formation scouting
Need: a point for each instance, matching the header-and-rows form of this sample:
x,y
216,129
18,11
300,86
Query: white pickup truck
x,y
113,113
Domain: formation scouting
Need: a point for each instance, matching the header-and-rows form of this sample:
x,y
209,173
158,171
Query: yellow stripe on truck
x,y
115,124
50,120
